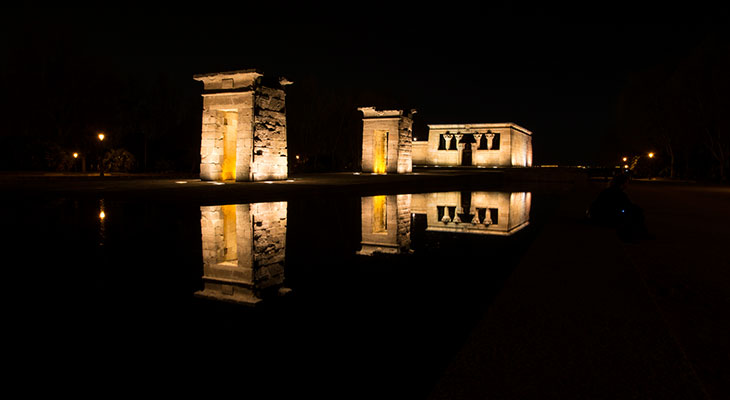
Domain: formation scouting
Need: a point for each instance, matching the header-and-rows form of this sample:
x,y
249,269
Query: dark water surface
x,y
121,302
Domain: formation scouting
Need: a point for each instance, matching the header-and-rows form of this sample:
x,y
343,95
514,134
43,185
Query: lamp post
x,y
101,154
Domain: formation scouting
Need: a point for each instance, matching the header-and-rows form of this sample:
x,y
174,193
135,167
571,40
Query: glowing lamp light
x,y
626,166
651,155
624,159
76,155
101,137
102,215
296,156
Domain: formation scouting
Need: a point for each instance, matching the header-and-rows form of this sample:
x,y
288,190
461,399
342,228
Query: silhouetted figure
x,y
613,208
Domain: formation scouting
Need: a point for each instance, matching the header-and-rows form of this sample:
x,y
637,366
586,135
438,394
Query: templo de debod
x,y
244,127
386,140
483,145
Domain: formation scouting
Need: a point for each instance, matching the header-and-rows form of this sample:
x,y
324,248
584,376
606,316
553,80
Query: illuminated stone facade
x,y
244,127
243,250
484,145
386,141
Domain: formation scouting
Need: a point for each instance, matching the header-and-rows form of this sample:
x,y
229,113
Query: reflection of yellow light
x,y
102,215
380,214
651,155
76,155
624,159
101,136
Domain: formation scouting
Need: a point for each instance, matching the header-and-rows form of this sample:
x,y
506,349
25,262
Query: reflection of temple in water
x,y
486,213
243,250
386,224
386,220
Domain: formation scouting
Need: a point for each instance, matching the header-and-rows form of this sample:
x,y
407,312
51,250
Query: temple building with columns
x,y
481,145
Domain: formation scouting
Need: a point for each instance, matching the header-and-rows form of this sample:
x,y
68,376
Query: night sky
x,y
560,76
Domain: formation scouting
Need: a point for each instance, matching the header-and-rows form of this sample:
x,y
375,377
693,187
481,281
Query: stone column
x,y
490,138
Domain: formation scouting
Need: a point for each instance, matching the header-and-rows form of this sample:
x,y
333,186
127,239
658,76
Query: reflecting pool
x,y
306,296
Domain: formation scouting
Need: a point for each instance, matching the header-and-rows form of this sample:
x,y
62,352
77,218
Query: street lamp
x,y
651,155
624,159
76,155
101,155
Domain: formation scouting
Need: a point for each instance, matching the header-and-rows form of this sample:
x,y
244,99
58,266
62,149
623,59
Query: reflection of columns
x,y
490,138
446,218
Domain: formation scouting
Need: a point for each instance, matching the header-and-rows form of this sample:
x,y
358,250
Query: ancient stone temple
x,y
482,145
244,127
386,224
386,141
244,247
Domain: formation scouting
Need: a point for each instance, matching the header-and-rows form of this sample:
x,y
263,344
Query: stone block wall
x,y
521,148
400,137
405,145
260,113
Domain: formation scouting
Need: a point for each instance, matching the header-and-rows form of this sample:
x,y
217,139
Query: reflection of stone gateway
x,y
243,250
386,224
244,127
386,220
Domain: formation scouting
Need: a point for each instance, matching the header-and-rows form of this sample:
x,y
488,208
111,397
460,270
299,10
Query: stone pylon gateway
x,y
387,137
244,127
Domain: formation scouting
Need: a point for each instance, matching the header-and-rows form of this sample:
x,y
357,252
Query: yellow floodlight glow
x,y
101,137
102,215
651,155
626,166
624,159
76,155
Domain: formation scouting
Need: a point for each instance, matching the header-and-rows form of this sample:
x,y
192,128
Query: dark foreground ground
x,y
587,316
583,315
